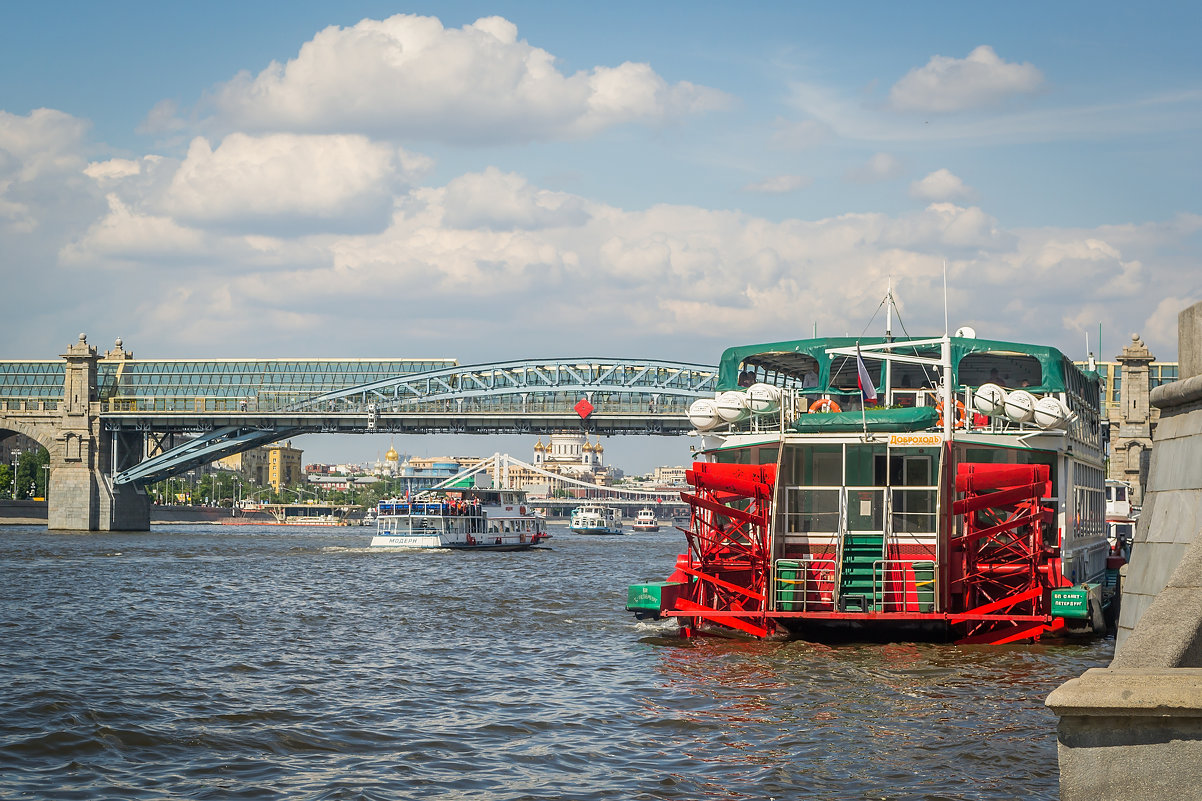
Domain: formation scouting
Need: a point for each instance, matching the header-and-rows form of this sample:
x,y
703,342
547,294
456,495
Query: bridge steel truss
x,y
621,396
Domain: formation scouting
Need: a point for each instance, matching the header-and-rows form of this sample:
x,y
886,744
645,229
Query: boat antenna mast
x,y
945,357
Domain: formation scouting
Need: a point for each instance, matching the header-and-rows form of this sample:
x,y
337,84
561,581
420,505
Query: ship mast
x,y
889,338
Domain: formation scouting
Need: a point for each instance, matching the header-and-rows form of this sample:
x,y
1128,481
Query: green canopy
x,y
787,363
908,419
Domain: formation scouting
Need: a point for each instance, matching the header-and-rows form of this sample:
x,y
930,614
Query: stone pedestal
x,y
1134,730
1131,734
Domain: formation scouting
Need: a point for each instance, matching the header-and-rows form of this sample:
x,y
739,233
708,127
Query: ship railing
x,y
904,585
429,508
804,585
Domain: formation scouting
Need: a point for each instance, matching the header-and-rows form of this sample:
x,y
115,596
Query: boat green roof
x,y
921,418
785,363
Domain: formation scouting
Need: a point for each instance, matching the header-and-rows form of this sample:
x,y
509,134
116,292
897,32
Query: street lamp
x,y
16,458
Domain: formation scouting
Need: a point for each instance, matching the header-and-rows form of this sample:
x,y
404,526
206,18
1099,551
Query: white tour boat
x,y
1121,517
595,519
645,520
461,519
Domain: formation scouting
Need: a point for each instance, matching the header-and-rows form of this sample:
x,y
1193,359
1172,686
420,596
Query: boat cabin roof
x,y
807,363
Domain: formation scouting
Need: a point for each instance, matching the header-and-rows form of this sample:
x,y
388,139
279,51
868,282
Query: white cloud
x,y
952,84
125,237
44,148
940,185
298,183
799,135
779,185
112,170
881,167
408,76
497,201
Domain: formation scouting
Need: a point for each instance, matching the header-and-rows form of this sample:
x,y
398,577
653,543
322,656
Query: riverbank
x,y
33,513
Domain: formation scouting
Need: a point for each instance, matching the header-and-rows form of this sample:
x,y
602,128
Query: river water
x,y
221,662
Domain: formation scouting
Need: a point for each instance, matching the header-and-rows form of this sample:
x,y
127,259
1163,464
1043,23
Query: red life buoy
x,y
824,405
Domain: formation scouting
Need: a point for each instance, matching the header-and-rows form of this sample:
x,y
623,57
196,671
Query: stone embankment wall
x,y
1134,730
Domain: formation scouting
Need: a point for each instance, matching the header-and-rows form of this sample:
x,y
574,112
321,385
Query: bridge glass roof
x,y
223,378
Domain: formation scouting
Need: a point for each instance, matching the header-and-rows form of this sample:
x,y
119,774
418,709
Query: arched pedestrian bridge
x,y
113,423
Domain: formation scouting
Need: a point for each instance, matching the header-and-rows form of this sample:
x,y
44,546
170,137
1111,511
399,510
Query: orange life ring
x,y
961,413
824,405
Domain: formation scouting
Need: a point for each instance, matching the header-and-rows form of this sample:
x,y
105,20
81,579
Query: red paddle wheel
x,y
729,557
1002,571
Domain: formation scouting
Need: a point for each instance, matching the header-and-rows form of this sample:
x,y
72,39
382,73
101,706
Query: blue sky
x,y
494,180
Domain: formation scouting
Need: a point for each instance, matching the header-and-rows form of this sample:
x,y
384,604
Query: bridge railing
x,y
29,404
532,403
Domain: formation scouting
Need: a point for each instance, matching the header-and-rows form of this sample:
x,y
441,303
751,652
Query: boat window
x,y
845,374
865,465
734,456
912,511
811,510
912,467
1005,369
812,466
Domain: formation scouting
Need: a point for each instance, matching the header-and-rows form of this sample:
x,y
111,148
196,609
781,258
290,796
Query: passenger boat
x,y
461,519
645,520
595,519
1121,517
951,508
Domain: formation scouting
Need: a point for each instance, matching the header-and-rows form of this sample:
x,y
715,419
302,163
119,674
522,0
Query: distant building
x,y
1131,419
570,455
274,465
665,476
390,466
284,465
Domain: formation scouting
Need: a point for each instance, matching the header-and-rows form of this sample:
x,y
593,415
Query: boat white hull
x,y
492,543
595,530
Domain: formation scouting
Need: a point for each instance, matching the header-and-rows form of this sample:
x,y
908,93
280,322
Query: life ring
x,y
824,405
961,413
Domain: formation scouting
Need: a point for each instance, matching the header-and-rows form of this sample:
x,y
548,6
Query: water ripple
x,y
256,663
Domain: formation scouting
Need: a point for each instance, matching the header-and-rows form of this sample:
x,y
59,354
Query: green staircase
x,y
856,591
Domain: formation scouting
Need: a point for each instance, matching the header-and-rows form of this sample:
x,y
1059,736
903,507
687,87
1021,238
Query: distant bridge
x,y
113,423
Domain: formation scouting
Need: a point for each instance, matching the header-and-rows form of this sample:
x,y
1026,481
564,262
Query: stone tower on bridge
x,y
81,495
1132,423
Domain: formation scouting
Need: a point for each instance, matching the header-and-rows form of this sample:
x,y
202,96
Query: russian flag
x,y
867,390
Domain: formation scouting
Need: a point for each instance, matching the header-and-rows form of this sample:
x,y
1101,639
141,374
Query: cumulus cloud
x,y
499,201
779,185
125,236
408,76
952,84
881,167
247,240
298,183
45,147
940,185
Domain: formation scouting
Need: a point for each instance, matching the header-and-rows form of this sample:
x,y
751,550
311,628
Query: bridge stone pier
x,y
82,496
